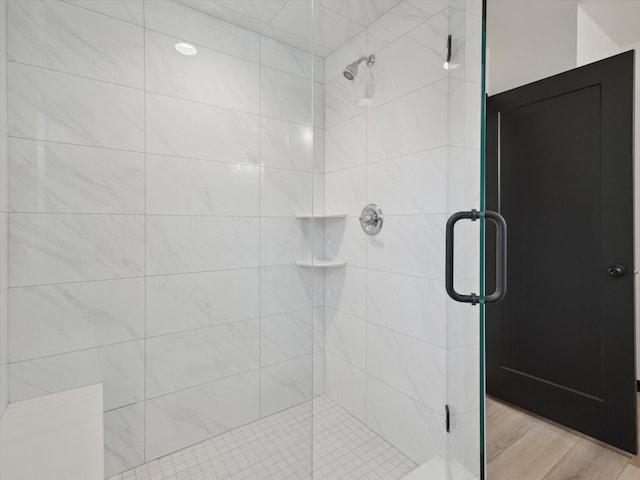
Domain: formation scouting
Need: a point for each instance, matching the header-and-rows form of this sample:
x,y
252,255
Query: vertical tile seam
x,y
312,236
366,245
5,367
261,173
144,131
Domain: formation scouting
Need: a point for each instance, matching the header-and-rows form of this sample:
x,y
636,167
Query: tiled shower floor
x,y
279,448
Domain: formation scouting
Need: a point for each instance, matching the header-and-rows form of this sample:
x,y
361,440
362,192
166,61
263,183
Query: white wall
x,y
397,350
529,40
152,218
593,44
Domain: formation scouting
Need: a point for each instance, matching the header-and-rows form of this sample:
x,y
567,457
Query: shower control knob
x,y
616,270
371,219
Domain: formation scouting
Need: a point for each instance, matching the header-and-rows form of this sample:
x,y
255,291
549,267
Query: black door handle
x,y
501,257
616,270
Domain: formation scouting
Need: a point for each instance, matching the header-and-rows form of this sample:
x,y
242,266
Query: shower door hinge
x,y
447,418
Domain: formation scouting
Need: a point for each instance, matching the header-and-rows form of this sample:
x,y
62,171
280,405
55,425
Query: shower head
x,y
351,70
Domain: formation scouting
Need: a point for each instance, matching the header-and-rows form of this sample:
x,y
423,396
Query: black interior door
x,y
560,171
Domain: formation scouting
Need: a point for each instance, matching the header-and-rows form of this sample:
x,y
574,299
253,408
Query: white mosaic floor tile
x,y
281,447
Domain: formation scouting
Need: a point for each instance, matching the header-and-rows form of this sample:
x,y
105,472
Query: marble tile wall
x,y
405,135
4,184
152,218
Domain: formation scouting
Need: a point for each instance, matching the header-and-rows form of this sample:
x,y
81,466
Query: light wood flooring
x,y
521,446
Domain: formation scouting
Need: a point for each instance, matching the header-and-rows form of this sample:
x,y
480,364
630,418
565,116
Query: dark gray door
x,y
560,171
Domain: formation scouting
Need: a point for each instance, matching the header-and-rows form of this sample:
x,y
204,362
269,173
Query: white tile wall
x,y
173,19
410,245
286,336
402,19
59,248
399,183
152,208
284,289
345,290
127,10
346,337
413,123
46,34
196,130
346,144
285,96
192,415
345,191
407,364
59,107
286,145
177,303
68,317
187,244
62,178
120,367
209,77
186,359
283,240
152,231
416,429
184,186
286,384
347,385
124,437
285,193
422,42
410,305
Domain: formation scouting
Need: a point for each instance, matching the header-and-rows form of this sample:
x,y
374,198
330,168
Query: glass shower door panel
x,y
402,132
465,355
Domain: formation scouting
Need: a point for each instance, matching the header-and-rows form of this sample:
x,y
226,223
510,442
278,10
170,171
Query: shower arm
x,y
370,60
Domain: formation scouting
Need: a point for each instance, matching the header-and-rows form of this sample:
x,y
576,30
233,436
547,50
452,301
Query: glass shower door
x,y
403,108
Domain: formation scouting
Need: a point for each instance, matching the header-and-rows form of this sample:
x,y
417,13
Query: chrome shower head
x,y
351,70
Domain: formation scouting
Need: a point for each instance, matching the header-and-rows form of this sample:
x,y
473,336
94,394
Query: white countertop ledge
x,y
54,437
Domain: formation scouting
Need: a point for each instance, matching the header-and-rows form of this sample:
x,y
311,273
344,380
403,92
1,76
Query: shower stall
x,y
182,185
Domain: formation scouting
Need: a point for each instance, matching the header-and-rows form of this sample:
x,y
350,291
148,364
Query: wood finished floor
x,y
521,446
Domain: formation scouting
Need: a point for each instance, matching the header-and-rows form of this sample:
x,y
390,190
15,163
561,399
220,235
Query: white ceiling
x,y
321,28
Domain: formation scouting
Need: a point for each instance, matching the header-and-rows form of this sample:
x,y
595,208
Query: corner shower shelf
x,y
321,215
317,263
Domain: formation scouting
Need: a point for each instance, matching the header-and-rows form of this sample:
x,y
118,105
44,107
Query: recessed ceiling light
x,y
186,49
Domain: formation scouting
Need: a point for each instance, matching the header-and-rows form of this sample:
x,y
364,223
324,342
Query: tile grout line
x,y
314,225
260,180
366,244
144,124
146,92
6,261
220,270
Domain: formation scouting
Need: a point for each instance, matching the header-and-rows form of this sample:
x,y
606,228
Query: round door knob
x,y
616,270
